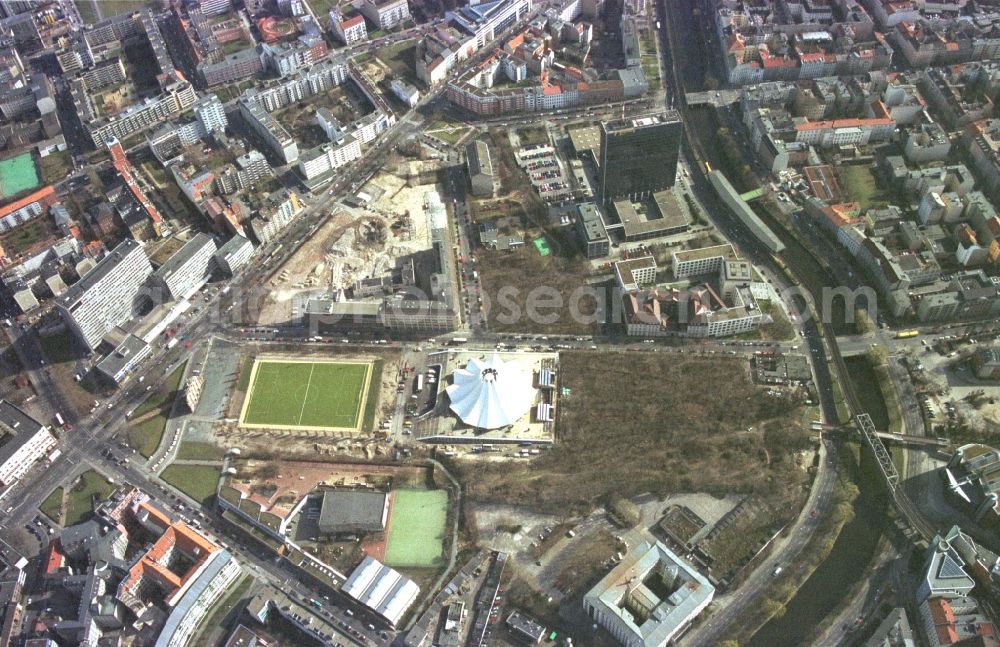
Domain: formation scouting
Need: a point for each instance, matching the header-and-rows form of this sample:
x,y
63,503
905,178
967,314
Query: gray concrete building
x,y
590,228
480,167
106,295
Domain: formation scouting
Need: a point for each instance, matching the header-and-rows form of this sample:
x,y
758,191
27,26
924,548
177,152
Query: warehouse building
x,y
480,167
381,589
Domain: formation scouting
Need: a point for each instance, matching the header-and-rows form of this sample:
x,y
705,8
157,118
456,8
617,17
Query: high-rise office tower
x,y
639,155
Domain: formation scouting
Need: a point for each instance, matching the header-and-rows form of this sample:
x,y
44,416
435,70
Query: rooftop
x,y
627,268
651,594
632,123
16,428
185,254
593,223
726,251
353,510
478,155
99,272
490,393
381,589
586,138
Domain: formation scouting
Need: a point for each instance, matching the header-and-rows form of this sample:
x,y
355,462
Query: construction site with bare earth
x,y
356,243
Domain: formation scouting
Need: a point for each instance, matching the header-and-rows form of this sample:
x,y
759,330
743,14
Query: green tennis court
x,y
18,174
416,528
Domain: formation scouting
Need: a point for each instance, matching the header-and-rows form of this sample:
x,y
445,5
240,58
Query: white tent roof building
x,y
491,393
382,589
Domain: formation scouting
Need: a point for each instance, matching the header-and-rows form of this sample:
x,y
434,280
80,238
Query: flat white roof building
x,y
216,577
649,598
234,255
23,440
382,589
187,270
105,296
491,393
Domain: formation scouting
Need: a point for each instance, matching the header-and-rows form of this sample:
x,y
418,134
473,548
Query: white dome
x,y
491,393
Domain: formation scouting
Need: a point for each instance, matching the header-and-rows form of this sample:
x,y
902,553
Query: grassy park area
x,y
78,499
193,450
399,57
861,186
51,507
147,432
145,437
196,481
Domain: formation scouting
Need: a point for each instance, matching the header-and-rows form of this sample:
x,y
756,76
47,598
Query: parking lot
x,y
545,171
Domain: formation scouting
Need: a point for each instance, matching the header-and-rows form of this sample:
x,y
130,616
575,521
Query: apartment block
x,y
107,73
328,157
273,133
348,30
385,14
106,295
308,82
23,441
237,66
288,58
970,295
234,255
468,29
188,269
177,96
275,212
841,132
249,169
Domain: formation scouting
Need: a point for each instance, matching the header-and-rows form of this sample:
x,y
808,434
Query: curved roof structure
x,y
487,394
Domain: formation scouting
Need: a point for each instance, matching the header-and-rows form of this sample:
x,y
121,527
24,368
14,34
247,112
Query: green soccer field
x,y
416,528
319,395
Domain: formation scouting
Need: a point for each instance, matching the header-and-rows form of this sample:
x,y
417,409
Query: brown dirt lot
x,y
665,428
307,262
513,279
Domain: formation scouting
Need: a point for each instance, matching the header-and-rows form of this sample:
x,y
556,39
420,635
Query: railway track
x,y
696,152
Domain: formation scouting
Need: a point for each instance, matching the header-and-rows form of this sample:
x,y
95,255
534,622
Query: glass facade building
x,y
639,156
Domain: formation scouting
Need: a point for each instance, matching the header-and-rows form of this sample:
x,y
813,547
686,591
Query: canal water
x,y
855,546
